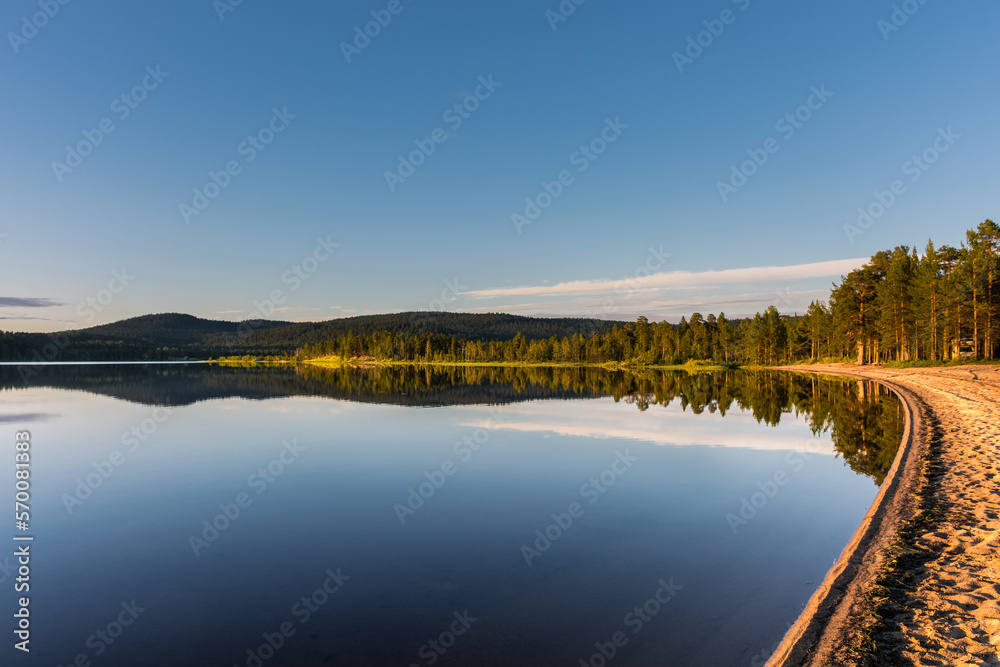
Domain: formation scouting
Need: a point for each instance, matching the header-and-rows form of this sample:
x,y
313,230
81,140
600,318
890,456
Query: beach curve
x,y
928,550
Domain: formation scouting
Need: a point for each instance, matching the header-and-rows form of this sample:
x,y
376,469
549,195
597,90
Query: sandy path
x,y
942,606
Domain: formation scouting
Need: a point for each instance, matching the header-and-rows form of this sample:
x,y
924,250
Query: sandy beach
x,y
919,584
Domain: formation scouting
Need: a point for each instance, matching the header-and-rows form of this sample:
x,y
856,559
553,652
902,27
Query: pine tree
x,y
927,296
894,304
985,245
854,311
818,318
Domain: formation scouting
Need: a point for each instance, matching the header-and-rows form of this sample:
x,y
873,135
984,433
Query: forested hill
x,y
176,335
468,326
168,329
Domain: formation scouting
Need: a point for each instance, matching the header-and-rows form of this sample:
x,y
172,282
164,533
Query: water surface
x,y
687,516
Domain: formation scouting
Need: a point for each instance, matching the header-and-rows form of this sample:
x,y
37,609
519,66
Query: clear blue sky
x,y
323,175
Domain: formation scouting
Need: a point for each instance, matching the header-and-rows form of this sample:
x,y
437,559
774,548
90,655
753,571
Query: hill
x,y
488,326
168,329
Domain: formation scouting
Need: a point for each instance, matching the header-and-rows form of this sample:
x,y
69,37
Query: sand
x,y
930,545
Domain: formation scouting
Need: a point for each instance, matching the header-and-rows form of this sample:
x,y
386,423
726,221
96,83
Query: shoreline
x,y
914,586
338,362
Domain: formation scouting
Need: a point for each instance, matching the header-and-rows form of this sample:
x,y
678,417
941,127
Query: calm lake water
x,y
197,515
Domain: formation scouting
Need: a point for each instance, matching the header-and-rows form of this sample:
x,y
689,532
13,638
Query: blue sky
x,y
641,138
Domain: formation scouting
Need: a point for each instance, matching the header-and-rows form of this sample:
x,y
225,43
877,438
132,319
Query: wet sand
x,y
927,556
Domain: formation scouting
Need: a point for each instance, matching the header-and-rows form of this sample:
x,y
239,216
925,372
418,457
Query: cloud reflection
x,y
668,426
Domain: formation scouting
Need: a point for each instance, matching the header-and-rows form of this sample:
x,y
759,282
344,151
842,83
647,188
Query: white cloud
x,y
676,280
629,306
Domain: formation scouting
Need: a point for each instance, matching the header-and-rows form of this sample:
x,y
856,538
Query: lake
x,y
206,515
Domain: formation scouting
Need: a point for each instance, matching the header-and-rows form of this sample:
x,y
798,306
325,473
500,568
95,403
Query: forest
x,y
900,306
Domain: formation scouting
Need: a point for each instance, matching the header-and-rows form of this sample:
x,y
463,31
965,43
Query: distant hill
x,y
175,335
169,329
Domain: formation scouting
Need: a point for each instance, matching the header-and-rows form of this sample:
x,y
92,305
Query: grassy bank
x,y
247,360
691,366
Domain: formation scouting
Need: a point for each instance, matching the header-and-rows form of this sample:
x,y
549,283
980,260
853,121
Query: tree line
x,y
900,306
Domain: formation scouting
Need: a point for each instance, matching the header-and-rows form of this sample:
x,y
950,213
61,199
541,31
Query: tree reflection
x,y
863,418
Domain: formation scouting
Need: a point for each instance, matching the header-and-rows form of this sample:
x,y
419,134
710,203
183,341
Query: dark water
x,y
682,519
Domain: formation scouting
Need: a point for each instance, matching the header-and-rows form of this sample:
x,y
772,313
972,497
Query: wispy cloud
x,y
26,418
669,294
739,304
19,302
677,280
